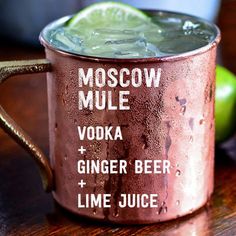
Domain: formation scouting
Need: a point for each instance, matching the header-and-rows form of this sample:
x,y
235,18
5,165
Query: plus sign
x,y
81,183
82,150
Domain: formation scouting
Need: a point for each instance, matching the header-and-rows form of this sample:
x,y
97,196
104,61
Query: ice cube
x,y
63,39
189,25
122,41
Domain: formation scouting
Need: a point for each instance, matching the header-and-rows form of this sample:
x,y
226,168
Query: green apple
x,y
225,104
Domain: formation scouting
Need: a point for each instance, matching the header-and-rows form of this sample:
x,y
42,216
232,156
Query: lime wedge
x,y
107,14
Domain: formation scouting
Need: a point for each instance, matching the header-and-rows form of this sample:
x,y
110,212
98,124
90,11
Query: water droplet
x,y
191,123
191,139
177,202
75,121
116,214
145,141
65,157
63,101
182,101
177,173
66,90
163,209
202,121
182,110
94,211
56,125
132,161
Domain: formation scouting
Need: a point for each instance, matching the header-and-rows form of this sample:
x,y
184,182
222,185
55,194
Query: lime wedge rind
x,y
103,7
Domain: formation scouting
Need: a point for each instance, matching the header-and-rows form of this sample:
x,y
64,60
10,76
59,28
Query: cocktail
x,y
131,113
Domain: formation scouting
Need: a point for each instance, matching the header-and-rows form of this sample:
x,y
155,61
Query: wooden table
x,y
26,210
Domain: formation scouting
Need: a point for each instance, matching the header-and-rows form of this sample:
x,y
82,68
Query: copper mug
x,y
173,122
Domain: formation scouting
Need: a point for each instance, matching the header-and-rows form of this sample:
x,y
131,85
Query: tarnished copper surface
x,y
174,122
10,68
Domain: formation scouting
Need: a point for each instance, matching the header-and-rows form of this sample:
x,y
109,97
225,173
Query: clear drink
x,y
166,34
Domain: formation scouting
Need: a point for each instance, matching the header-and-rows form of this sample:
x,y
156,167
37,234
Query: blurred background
x,y
26,19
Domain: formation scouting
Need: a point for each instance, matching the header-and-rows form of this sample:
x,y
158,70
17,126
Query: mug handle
x,y
8,69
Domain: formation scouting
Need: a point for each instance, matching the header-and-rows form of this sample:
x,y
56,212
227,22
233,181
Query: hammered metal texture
x,y
10,68
173,122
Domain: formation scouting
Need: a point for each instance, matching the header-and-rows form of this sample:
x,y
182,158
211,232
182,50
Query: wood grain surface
x,y
26,210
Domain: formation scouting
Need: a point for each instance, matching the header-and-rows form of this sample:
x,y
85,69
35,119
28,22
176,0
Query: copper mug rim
x,y
214,42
